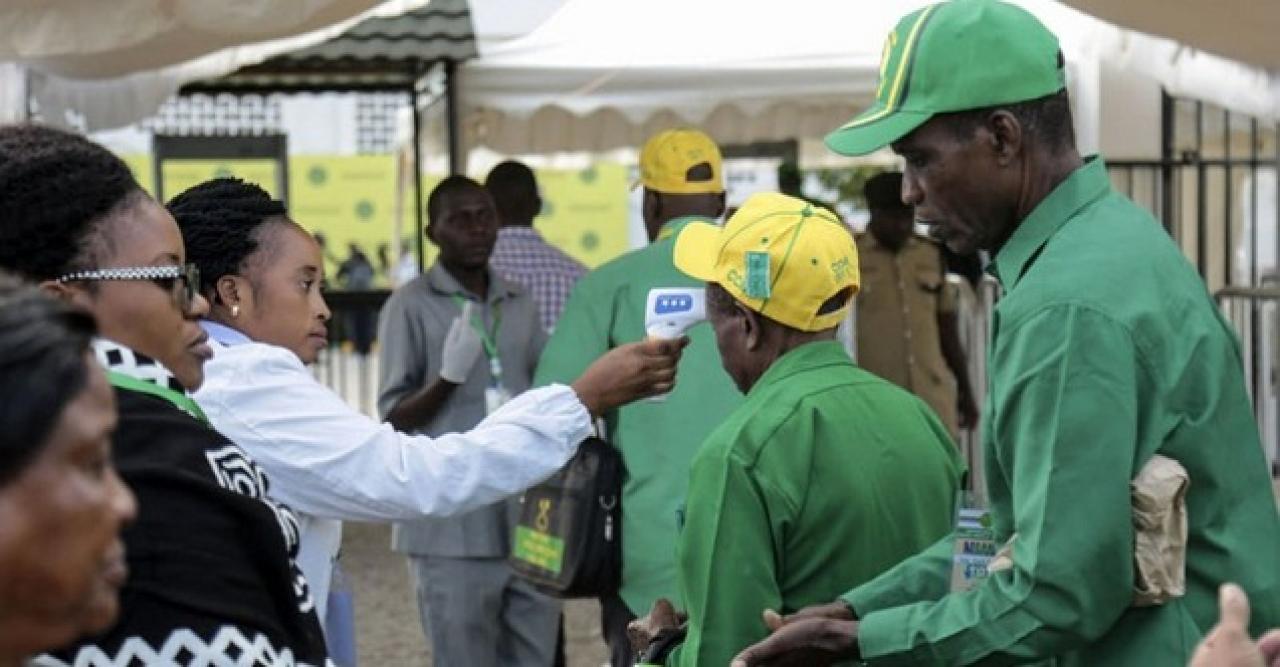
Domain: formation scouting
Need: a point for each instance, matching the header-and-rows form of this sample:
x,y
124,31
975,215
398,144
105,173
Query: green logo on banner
x,y
364,210
539,549
590,241
317,175
223,171
589,175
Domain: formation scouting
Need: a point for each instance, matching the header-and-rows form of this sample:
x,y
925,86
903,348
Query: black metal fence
x,y
1215,191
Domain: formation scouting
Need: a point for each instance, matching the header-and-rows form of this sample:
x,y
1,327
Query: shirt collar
x,y
224,334
808,356
673,226
1084,186
443,282
115,357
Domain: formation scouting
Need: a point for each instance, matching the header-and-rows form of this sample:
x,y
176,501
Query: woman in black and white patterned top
x,y
210,557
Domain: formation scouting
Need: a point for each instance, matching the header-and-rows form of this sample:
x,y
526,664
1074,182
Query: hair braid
x,y
55,190
221,222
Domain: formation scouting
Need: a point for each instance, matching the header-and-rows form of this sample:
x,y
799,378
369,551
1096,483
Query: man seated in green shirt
x,y
1106,350
827,474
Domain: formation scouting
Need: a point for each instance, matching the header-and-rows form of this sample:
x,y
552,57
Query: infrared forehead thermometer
x,y
671,311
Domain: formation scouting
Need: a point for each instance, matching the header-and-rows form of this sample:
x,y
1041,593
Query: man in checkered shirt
x,y
521,255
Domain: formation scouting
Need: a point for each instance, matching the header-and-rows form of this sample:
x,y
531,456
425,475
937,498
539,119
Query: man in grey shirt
x,y
455,343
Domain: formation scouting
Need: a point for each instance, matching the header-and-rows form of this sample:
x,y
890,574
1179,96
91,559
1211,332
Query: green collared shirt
x,y
1105,350
657,438
827,475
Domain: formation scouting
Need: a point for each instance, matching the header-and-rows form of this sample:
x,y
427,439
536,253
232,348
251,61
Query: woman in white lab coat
x,y
261,273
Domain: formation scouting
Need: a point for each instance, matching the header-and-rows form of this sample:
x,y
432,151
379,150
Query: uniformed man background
x,y
906,311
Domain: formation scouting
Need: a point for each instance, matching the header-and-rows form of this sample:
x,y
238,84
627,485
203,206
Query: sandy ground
x,y
387,630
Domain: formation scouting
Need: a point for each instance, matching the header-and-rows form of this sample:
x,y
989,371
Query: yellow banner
x,y
351,200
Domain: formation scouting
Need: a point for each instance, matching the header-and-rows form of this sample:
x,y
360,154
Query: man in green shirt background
x,y
1105,350
827,475
681,171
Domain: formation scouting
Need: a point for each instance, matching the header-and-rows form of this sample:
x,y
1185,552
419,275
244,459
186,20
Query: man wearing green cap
x,y
827,475
681,172
1105,351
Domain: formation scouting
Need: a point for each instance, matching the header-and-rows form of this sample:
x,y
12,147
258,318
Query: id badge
x,y
494,398
975,544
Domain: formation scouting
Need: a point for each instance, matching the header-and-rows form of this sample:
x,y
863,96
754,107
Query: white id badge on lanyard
x,y
495,395
494,398
975,543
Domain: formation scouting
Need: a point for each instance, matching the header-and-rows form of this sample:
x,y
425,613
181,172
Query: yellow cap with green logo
x,y
954,56
681,161
780,256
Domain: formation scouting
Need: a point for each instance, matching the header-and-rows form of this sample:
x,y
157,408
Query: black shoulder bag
x,y
568,538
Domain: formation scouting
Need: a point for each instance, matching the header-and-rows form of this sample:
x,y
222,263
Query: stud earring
x,y
235,310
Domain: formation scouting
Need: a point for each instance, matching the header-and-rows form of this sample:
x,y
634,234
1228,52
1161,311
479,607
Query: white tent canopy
x,y
91,39
598,75
1243,30
593,76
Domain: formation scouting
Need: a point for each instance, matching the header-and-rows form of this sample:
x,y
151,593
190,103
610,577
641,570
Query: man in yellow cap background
x,y
827,474
1106,351
681,171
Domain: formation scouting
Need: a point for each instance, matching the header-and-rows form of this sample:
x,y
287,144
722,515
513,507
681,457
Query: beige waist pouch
x,y
1159,502
1159,496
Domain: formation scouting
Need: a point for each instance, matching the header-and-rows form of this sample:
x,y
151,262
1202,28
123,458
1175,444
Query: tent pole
x,y
451,116
420,234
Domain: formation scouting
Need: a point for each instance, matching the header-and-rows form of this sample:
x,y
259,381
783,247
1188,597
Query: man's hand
x,y
809,642
662,616
1228,644
837,610
629,372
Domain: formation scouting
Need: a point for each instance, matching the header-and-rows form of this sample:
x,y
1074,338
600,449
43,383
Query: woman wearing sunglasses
x,y
210,556
262,272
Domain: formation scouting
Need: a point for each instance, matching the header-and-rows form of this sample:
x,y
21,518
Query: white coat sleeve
x,y
326,459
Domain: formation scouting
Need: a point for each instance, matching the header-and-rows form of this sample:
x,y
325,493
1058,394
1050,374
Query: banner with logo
x,y
351,200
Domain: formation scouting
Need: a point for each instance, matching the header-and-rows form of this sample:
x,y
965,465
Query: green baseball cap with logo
x,y
954,56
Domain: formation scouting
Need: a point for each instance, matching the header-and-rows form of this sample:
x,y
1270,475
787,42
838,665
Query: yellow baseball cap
x,y
780,256
669,159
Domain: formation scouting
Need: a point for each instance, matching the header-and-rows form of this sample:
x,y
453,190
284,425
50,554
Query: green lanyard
x,y
178,399
488,339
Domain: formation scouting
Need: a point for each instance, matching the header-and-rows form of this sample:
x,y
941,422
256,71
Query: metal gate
x,y
1214,190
